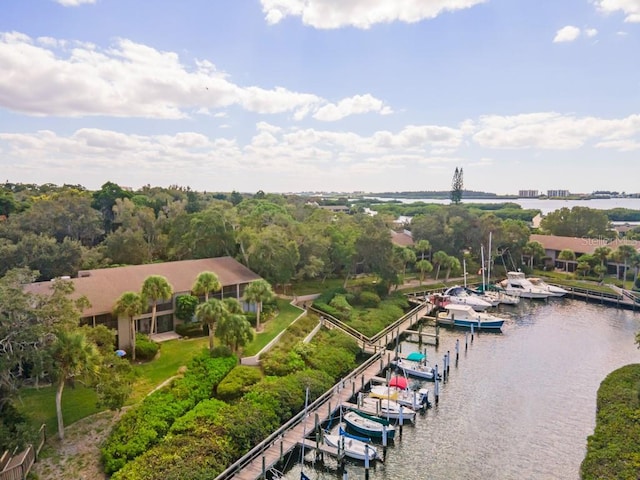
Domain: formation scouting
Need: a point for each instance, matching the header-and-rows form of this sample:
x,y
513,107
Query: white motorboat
x,y
459,295
415,365
554,290
354,447
385,408
517,284
466,316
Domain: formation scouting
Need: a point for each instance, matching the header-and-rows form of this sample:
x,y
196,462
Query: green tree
x,y
534,251
154,289
602,253
407,256
73,356
424,267
211,313
440,258
577,222
567,256
258,292
131,305
104,200
457,186
452,263
186,307
206,283
234,330
422,247
623,254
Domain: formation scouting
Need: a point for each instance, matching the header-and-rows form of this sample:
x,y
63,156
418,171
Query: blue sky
x,y
322,95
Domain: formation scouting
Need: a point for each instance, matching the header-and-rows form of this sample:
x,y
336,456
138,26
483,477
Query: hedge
x,y
146,424
613,451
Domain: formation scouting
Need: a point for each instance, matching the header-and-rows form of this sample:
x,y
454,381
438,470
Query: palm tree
x,y
211,312
602,254
206,283
155,288
452,263
566,255
131,305
534,250
233,305
235,330
440,258
72,355
422,247
424,266
258,292
624,253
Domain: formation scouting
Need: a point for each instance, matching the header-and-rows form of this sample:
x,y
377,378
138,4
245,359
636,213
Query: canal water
x,y
519,405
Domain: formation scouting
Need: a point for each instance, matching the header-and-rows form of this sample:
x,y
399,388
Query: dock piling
x,y
457,350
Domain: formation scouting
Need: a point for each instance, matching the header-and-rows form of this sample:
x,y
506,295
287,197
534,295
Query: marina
x,y
273,456
512,399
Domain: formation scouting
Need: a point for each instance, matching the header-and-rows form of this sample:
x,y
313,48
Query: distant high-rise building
x,y
557,193
528,193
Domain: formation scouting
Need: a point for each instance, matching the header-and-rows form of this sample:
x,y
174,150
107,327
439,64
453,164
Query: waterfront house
x,y
103,287
554,244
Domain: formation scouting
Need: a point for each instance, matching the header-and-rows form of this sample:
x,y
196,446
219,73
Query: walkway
x,y
273,449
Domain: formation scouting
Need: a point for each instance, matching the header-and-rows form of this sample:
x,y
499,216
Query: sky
x,y
322,95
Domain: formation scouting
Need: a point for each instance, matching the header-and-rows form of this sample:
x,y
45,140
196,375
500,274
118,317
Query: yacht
x,y
518,285
465,316
460,296
553,289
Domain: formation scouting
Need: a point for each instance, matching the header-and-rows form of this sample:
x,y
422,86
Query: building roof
x,y
580,245
104,286
401,239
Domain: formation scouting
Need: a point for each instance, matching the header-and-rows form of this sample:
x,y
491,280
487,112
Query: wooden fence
x,y
17,467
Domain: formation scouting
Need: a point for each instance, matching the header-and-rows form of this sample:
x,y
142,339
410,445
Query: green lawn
x,y
173,355
40,405
287,314
80,402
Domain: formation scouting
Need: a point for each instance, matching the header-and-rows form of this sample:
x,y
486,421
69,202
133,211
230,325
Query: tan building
x,y
104,286
554,244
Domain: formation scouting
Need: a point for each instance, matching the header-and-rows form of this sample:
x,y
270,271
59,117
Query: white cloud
x,y
554,131
327,14
350,106
590,32
74,3
567,34
630,8
71,79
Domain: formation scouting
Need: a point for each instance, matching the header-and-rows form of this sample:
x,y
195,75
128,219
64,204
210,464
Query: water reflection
x,y
519,404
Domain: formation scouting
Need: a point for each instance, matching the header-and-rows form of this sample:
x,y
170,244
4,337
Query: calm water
x,y
545,206
520,404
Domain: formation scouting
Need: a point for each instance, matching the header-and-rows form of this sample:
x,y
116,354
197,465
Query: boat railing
x,y
261,447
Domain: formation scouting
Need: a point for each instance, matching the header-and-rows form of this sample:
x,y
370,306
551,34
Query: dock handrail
x,y
267,442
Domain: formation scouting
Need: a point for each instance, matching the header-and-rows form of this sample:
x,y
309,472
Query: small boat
x,y
415,365
466,316
517,284
460,296
357,448
385,408
369,425
414,399
554,290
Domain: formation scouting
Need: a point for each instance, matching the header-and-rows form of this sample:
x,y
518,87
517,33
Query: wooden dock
x,y
272,451
291,437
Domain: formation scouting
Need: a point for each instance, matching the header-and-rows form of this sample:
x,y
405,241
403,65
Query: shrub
x,y
146,349
238,382
369,299
145,425
186,307
190,329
